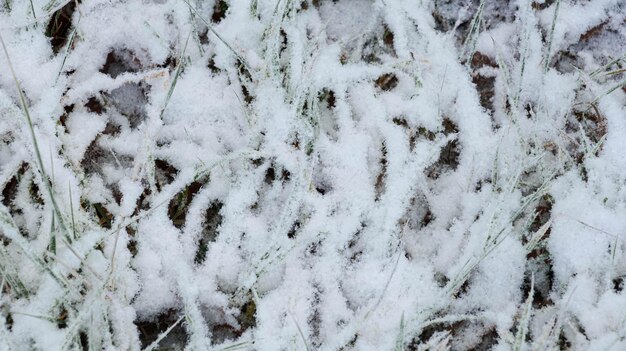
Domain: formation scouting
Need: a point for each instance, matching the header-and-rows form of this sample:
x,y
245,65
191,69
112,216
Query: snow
x,y
319,175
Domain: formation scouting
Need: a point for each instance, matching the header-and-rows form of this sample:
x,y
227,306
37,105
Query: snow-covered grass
x,y
312,175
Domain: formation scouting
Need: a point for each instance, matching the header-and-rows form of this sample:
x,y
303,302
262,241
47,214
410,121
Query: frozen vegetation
x,y
313,175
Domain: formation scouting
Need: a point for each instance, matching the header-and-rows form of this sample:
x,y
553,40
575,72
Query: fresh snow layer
x,y
313,175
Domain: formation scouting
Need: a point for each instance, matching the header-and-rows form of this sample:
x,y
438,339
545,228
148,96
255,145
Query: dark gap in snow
x,y
313,248
594,42
350,344
257,161
541,5
117,193
352,250
417,216
321,182
448,160
378,46
66,112
219,11
120,61
380,184
170,62
308,147
425,133
412,133
464,288
129,99
132,243
10,189
464,335
270,175
315,318
149,331
408,256
285,175
20,196
541,268
487,341
543,212
203,36
485,85
96,157
164,173
254,208
618,284
418,133
480,183
84,340
10,193
431,331
34,193
103,215
223,330
94,105
401,122
246,95
387,82
294,230
142,203
449,127
442,24
593,31
213,219
8,322
62,318
243,71
247,316
449,155
283,42
572,332
162,142
564,343
441,279
328,96
593,123
446,13
388,38
529,112
111,129
211,65
565,61
580,329
370,51
356,256
428,217
322,187
59,26
178,206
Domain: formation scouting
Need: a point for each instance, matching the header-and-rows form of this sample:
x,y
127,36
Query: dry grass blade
x,y
31,128
218,36
162,336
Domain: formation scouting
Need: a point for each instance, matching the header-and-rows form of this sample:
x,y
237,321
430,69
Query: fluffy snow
x,y
312,175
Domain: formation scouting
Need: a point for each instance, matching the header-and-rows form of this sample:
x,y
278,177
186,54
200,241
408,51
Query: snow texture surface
x,y
313,175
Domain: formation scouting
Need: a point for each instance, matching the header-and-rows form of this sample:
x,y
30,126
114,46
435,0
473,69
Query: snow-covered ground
x,y
313,175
